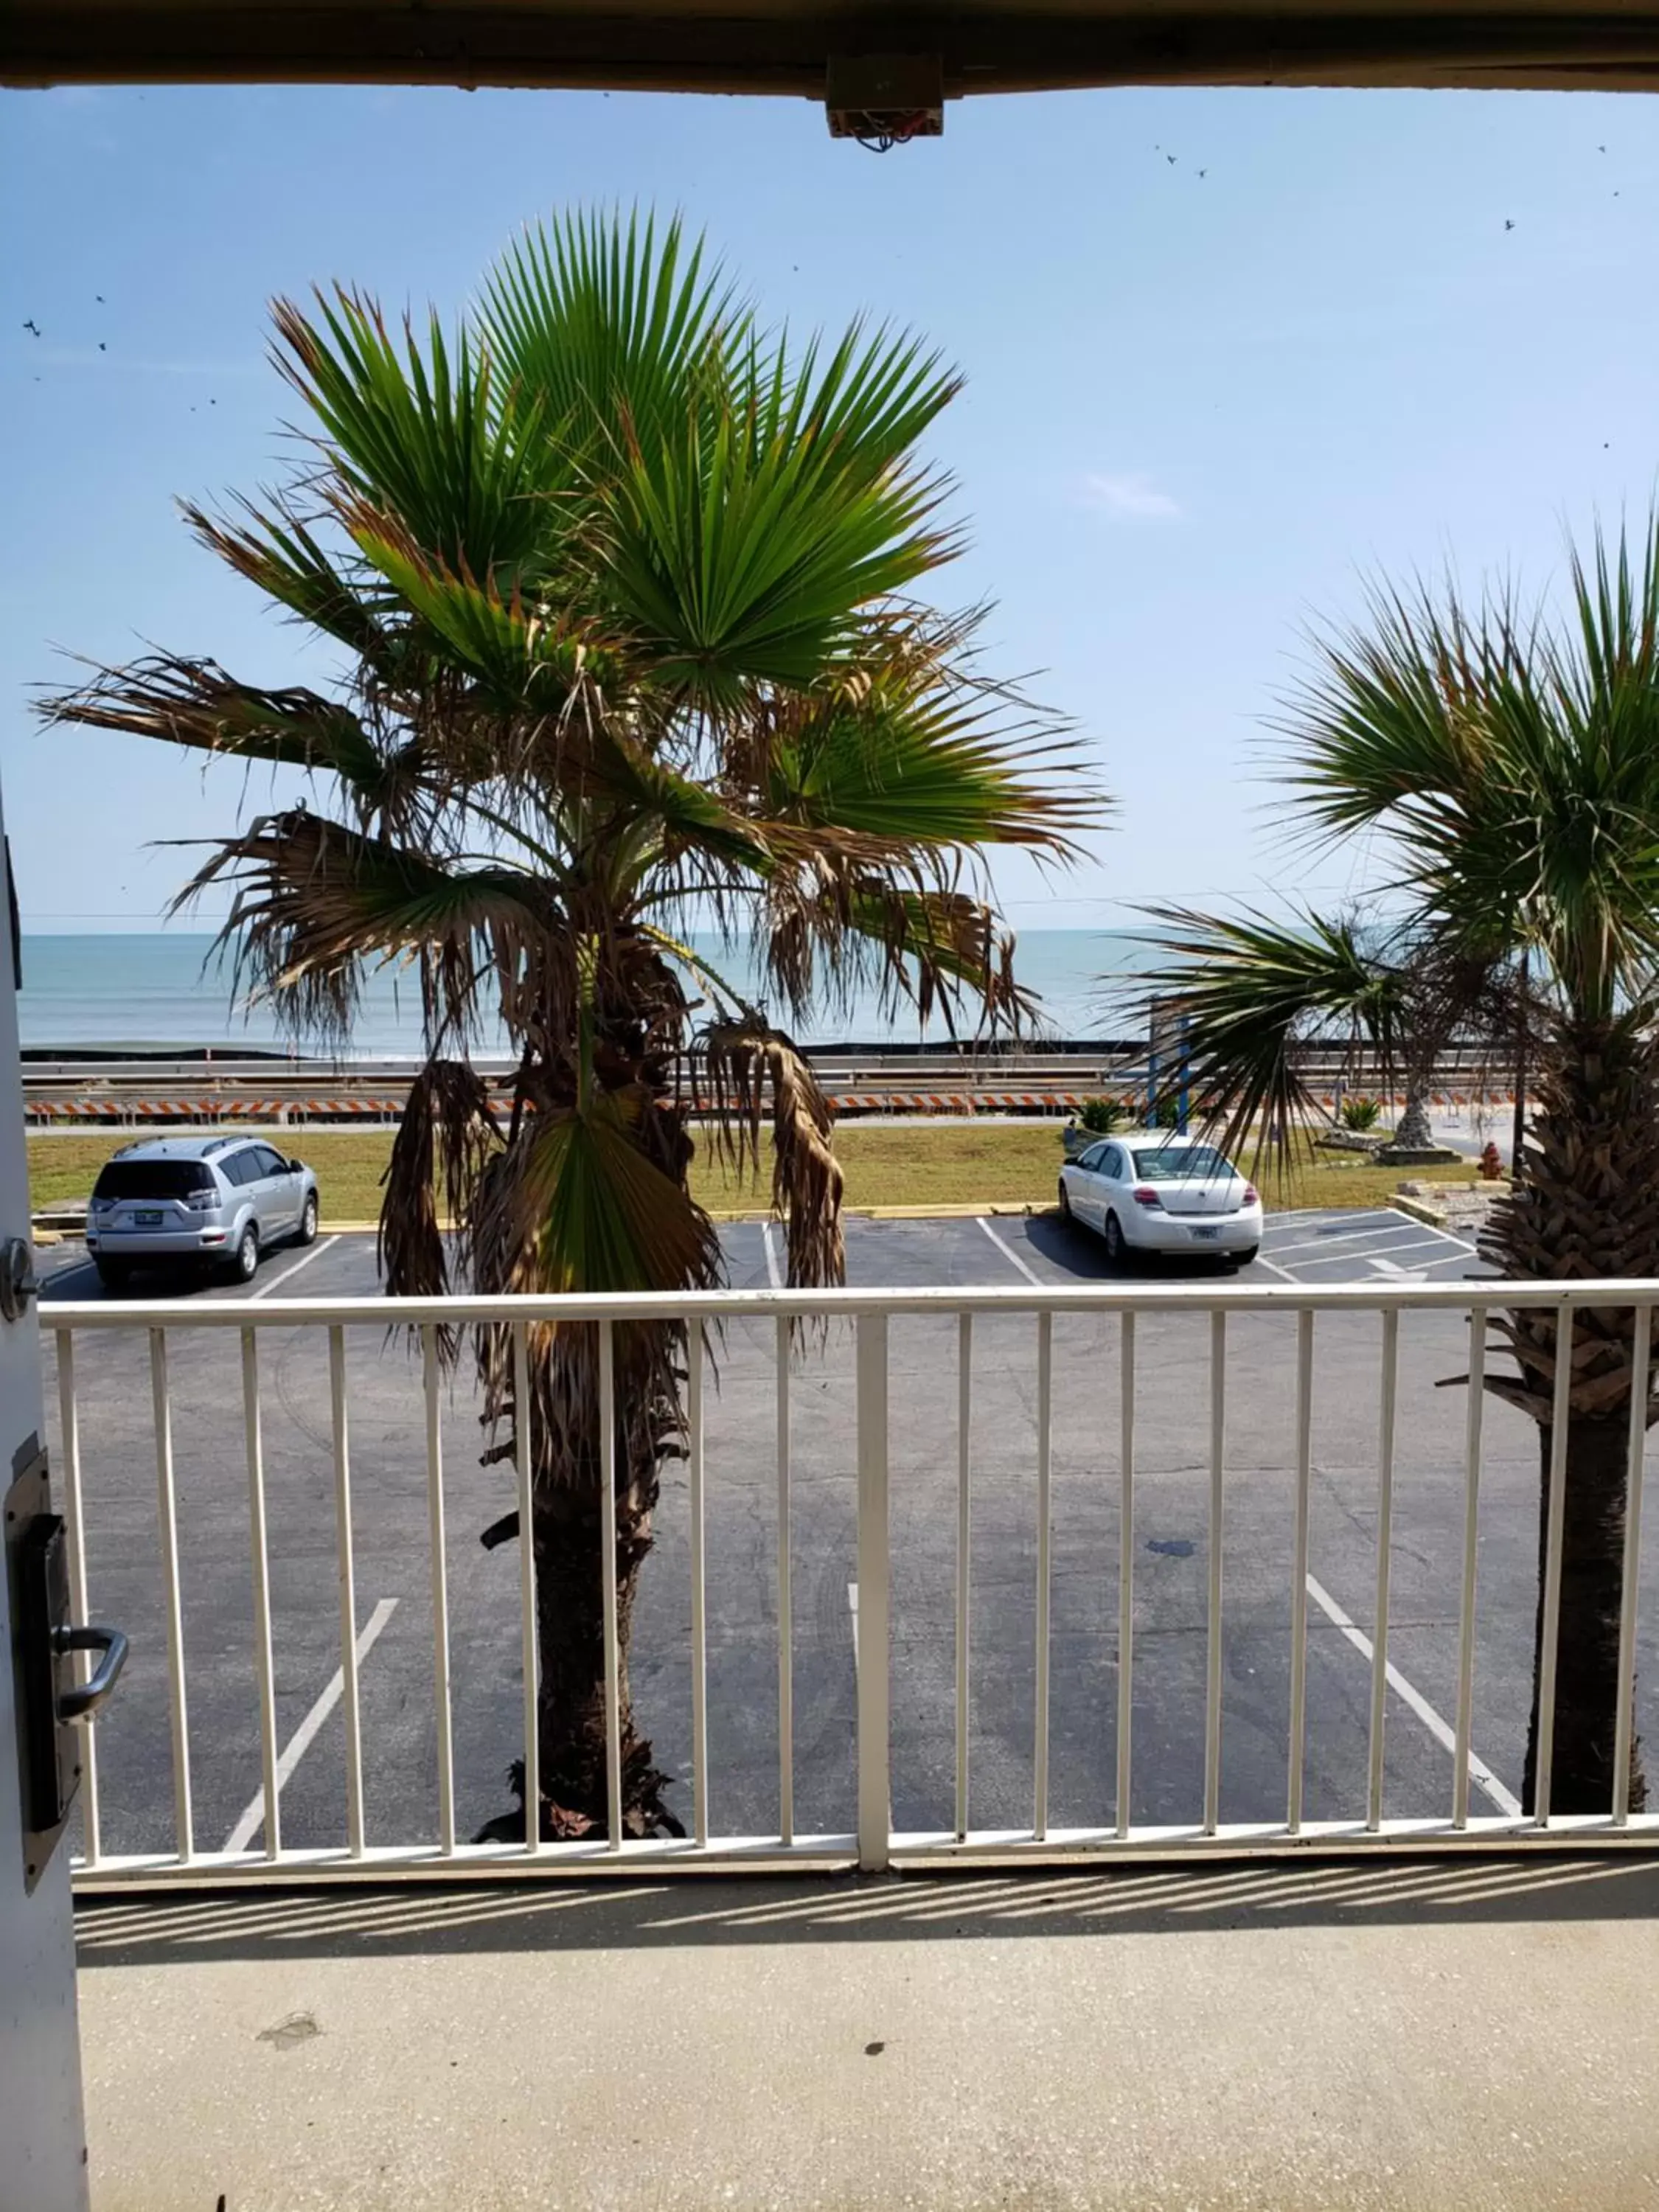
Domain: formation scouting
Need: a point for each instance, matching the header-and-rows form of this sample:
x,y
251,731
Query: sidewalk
x,y
1371,2037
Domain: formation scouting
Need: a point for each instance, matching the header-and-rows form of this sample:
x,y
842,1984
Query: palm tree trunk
x,y
1414,1133
570,1637
1592,1588
1588,1209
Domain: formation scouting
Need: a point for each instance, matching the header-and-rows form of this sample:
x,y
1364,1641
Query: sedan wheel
x,y
308,1221
1065,1213
1116,1251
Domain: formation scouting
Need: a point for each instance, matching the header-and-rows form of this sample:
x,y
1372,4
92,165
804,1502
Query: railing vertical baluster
x,y
1641,1358
69,1414
696,1354
608,1550
259,1548
1560,1414
1126,1561
874,1751
167,1525
1466,1602
964,1532
1384,1565
354,1719
1045,1540
786,1612
1218,1465
442,1716
529,1640
1304,1350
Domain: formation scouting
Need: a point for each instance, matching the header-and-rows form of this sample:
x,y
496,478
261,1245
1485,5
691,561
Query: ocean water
x,y
170,991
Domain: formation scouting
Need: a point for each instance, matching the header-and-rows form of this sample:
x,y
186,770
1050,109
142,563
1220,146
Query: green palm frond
x,y
1251,991
427,436
606,323
734,561
914,765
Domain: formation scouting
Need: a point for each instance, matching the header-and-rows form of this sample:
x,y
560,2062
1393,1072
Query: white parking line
x,y
774,1272
304,1261
1008,1252
253,1819
1479,1772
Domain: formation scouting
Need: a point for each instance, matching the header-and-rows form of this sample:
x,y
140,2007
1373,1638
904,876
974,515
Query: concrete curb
x,y
1432,1216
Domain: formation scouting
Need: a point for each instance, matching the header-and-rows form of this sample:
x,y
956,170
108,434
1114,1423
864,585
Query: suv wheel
x,y
113,1275
245,1259
308,1221
1064,1203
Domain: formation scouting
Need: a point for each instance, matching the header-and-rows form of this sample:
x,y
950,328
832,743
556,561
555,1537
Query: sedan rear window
x,y
1177,1163
153,1179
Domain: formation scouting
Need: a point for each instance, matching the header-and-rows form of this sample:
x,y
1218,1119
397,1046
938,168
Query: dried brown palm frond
x,y
740,1065
440,1156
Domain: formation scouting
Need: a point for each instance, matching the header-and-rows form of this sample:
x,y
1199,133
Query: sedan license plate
x,y
151,1218
1208,1233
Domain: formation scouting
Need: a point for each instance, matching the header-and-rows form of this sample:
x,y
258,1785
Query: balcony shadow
x,y
557,1913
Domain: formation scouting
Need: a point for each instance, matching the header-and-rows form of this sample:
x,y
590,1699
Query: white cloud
x,y
1134,497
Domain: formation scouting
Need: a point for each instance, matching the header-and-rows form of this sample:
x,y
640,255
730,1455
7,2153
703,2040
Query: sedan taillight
x,y
1144,1196
1252,1196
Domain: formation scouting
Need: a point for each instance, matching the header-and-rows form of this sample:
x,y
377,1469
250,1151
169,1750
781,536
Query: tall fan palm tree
x,y
621,587
1508,766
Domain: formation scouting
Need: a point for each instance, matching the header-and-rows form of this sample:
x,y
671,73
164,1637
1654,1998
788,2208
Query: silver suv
x,y
217,1199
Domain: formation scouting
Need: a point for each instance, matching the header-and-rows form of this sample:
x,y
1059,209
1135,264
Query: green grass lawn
x,y
920,1164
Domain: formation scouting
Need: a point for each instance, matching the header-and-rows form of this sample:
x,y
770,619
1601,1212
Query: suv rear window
x,y
153,1179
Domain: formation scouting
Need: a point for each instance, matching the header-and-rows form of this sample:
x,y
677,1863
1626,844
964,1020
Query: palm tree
x,y
619,586
1507,766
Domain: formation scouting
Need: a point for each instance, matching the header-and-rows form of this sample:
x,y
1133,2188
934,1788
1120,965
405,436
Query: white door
x,y
42,2138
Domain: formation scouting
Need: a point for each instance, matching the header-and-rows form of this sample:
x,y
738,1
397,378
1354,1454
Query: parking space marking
x,y
304,1261
1506,1802
253,1819
1323,1242
774,1272
1009,1253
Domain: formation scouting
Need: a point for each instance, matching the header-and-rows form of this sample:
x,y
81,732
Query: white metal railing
x,y
873,1842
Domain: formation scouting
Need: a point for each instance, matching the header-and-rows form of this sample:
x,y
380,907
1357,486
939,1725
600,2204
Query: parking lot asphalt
x,y
1170,1538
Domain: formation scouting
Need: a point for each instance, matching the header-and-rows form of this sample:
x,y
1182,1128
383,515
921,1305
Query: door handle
x,y
82,1703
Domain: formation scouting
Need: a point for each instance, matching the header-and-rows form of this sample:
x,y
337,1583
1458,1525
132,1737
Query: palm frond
x,y
195,704
1251,991
441,1157
739,1064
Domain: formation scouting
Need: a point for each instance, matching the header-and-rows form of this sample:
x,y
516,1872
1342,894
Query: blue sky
x,y
1198,406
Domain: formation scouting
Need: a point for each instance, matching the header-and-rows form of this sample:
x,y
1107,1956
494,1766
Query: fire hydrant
x,y
1491,1165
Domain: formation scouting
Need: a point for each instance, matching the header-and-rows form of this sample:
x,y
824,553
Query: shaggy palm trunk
x,y
1584,1739
1588,1209
1414,1133
570,1632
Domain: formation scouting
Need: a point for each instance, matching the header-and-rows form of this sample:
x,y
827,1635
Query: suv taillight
x,y
205,1200
1144,1196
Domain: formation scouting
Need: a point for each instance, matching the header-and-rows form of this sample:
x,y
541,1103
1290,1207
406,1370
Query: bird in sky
x,y
1170,158
98,297
32,325
1203,173
1508,225
102,348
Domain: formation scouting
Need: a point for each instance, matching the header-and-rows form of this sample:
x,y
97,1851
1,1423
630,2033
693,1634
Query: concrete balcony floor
x,y
1385,2036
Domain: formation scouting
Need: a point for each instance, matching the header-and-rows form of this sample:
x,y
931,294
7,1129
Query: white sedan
x,y
1156,1192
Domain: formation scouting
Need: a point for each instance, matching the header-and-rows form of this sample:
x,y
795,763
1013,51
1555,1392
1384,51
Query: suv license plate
x,y
148,1220
1198,1232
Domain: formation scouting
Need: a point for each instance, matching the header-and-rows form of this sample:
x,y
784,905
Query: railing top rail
x,y
830,1304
